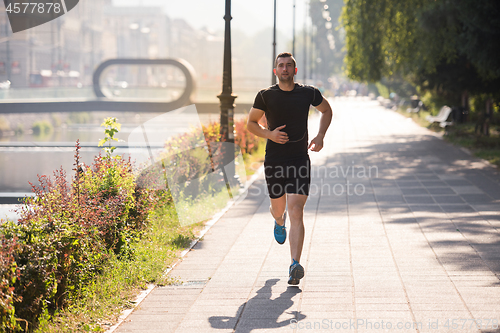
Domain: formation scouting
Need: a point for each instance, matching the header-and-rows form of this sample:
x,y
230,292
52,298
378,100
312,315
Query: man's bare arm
x,y
324,122
254,127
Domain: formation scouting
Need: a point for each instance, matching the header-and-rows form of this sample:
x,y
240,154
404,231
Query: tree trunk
x,y
465,105
487,117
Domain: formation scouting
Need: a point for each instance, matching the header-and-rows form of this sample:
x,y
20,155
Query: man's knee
x,y
296,208
277,211
278,205
296,213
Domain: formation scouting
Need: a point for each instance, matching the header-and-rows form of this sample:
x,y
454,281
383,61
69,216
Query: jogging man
x,y
287,165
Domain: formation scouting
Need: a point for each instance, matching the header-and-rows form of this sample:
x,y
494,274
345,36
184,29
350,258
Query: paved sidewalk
x,y
402,234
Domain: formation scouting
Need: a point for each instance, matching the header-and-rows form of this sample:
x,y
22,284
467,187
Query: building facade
x,y
66,51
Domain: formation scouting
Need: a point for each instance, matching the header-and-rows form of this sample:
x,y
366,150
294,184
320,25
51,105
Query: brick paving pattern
x,y
402,235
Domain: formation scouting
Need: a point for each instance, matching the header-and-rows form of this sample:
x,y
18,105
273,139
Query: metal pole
x,y
8,65
313,55
274,43
59,51
30,55
227,103
293,40
305,46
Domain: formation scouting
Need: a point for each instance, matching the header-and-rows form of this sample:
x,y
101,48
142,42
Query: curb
x,y
143,294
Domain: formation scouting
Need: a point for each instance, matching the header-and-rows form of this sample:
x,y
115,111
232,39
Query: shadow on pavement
x,y
424,182
261,312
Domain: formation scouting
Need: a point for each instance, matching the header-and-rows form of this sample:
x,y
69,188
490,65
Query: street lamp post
x,y
8,65
293,40
274,43
305,46
227,102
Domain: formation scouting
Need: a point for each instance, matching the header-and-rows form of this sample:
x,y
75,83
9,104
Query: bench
x,y
441,117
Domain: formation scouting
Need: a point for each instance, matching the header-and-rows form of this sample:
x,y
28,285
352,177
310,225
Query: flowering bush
x,y
108,188
70,228
189,157
67,232
247,141
8,276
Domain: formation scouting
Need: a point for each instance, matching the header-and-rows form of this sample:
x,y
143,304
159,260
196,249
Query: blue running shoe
x,y
280,231
296,273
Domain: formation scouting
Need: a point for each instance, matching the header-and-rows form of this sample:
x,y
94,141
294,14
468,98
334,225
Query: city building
x,y
65,52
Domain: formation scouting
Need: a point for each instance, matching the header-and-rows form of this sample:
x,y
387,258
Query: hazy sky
x,y
248,15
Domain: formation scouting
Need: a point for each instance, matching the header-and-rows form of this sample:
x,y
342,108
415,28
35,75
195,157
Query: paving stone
x,y
324,299
409,184
381,313
203,325
433,183
458,182
426,208
414,191
250,324
448,199
390,198
440,190
326,307
476,198
457,208
419,199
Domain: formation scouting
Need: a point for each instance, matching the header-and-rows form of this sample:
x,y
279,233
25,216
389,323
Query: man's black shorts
x,y
291,176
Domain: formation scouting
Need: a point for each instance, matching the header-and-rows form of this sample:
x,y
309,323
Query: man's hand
x,y
316,143
278,136
324,122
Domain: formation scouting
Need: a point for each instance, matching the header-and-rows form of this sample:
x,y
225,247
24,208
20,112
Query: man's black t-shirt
x,y
290,108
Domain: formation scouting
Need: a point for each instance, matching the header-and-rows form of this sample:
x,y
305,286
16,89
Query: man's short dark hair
x,y
285,55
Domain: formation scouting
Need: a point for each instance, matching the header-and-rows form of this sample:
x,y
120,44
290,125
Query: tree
x,y
329,41
447,46
387,36
469,63
383,38
479,36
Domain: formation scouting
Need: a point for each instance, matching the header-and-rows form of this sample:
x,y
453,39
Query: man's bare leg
x,y
296,203
277,209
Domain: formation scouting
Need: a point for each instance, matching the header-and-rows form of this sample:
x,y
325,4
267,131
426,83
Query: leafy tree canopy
x,y
423,39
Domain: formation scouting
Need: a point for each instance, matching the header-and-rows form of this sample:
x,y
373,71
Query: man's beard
x,y
286,79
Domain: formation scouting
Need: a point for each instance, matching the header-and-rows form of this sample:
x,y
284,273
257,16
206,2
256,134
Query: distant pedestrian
x,y
287,165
